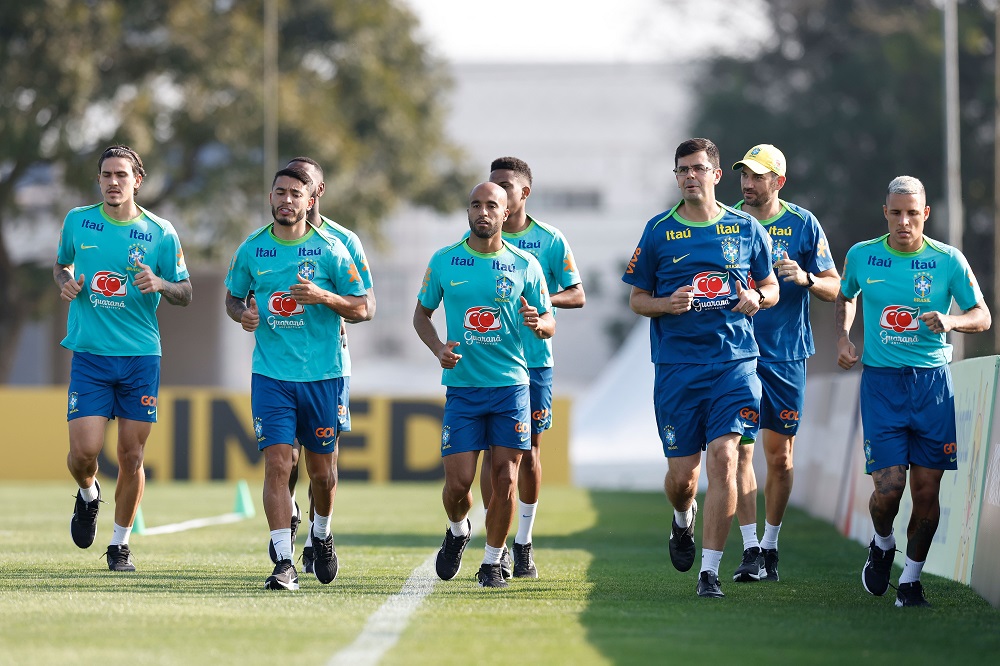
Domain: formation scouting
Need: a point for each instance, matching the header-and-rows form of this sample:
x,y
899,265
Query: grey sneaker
x,y
682,542
911,594
524,564
489,575
120,558
875,575
506,565
83,525
708,585
449,557
752,567
283,577
770,563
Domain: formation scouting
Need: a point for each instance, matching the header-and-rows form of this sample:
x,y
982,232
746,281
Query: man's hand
x,y
847,354
447,356
529,314
307,293
789,270
71,289
146,281
681,300
937,322
250,319
749,303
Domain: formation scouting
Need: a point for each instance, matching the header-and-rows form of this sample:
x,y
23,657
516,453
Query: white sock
x,y
492,555
121,534
322,526
710,560
309,533
749,533
460,528
684,518
770,540
282,540
886,542
89,494
911,571
295,508
525,521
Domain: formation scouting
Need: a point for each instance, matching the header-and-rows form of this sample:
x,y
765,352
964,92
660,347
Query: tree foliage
x,y
182,83
852,91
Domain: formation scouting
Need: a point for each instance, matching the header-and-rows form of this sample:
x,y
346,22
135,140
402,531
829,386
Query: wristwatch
x,y
761,294
809,280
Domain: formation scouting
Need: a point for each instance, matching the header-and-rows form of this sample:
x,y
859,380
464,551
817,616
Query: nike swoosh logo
x,y
747,425
455,284
676,259
326,443
87,247
789,425
150,411
871,281
953,459
262,272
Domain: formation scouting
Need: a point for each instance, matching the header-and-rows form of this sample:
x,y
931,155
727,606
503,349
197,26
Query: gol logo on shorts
x,y
749,414
521,427
326,432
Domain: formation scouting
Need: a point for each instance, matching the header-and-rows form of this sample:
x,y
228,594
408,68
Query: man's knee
x,y
889,484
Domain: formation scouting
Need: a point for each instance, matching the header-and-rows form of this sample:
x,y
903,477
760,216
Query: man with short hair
x,y
549,246
803,265
122,259
492,292
309,283
909,282
690,274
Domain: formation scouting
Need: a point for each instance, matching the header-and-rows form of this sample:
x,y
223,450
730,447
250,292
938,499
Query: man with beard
x,y
121,258
310,284
803,265
488,288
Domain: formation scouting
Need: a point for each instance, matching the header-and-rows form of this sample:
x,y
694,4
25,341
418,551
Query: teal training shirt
x,y
110,317
482,296
549,246
294,342
357,252
897,288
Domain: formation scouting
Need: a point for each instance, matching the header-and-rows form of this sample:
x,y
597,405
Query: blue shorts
x,y
110,386
477,418
783,392
696,404
908,417
307,411
540,390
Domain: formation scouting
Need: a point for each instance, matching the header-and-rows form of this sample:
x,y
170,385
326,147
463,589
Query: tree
x,y
181,83
852,91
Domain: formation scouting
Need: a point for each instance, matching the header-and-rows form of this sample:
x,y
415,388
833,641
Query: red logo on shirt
x,y
711,284
482,319
283,304
109,283
900,318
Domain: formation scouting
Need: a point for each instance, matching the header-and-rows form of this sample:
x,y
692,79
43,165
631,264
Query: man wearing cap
x,y
803,265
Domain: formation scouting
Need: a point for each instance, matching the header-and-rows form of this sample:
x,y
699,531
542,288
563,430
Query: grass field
x,y
607,593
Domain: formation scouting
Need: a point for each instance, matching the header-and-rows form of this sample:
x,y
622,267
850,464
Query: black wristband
x,y
761,294
809,280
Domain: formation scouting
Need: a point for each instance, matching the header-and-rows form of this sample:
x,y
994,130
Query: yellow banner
x,y
205,434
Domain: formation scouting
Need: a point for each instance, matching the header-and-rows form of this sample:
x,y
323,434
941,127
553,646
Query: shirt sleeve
x,y
357,252
238,280
641,270
535,291
170,257
431,292
819,255
565,270
344,272
850,287
962,283
760,256
66,254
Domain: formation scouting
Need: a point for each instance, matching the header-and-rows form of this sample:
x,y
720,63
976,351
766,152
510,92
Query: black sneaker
x,y
875,575
83,525
770,563
752,567
449,557
910,594
283,577
308,560
708,585
524,565
682,542
506,565
296,519
490,575
325,564
120,558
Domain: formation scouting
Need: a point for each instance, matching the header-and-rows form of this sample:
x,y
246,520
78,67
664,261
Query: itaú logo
x,y
900,318
108,283
283,304
482,319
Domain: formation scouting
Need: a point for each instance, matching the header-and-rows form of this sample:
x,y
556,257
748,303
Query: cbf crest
x,y
307,270
730,249
505,287
778,249
74,398
136,254
258,428
670,438
922,284
445,437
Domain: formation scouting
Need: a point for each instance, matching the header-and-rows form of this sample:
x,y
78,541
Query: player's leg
x,y
322,470
529,476
750,568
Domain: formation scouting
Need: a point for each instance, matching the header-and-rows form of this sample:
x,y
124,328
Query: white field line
x,y
387,624
193,524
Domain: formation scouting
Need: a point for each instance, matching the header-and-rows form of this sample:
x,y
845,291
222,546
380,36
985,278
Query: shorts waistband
x,y
901,372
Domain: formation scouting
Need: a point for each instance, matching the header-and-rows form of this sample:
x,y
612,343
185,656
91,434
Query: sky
x,y
574,31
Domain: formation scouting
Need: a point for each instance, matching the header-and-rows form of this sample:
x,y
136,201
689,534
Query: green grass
x,y
607,593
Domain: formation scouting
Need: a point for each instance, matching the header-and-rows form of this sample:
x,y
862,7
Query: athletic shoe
x,y
770,563
283,577
910,594
524,565
752,568
83,525
325,565
449,557
120,558
875,575
506,565
308,560
708,585
489,575
295,530
682,542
